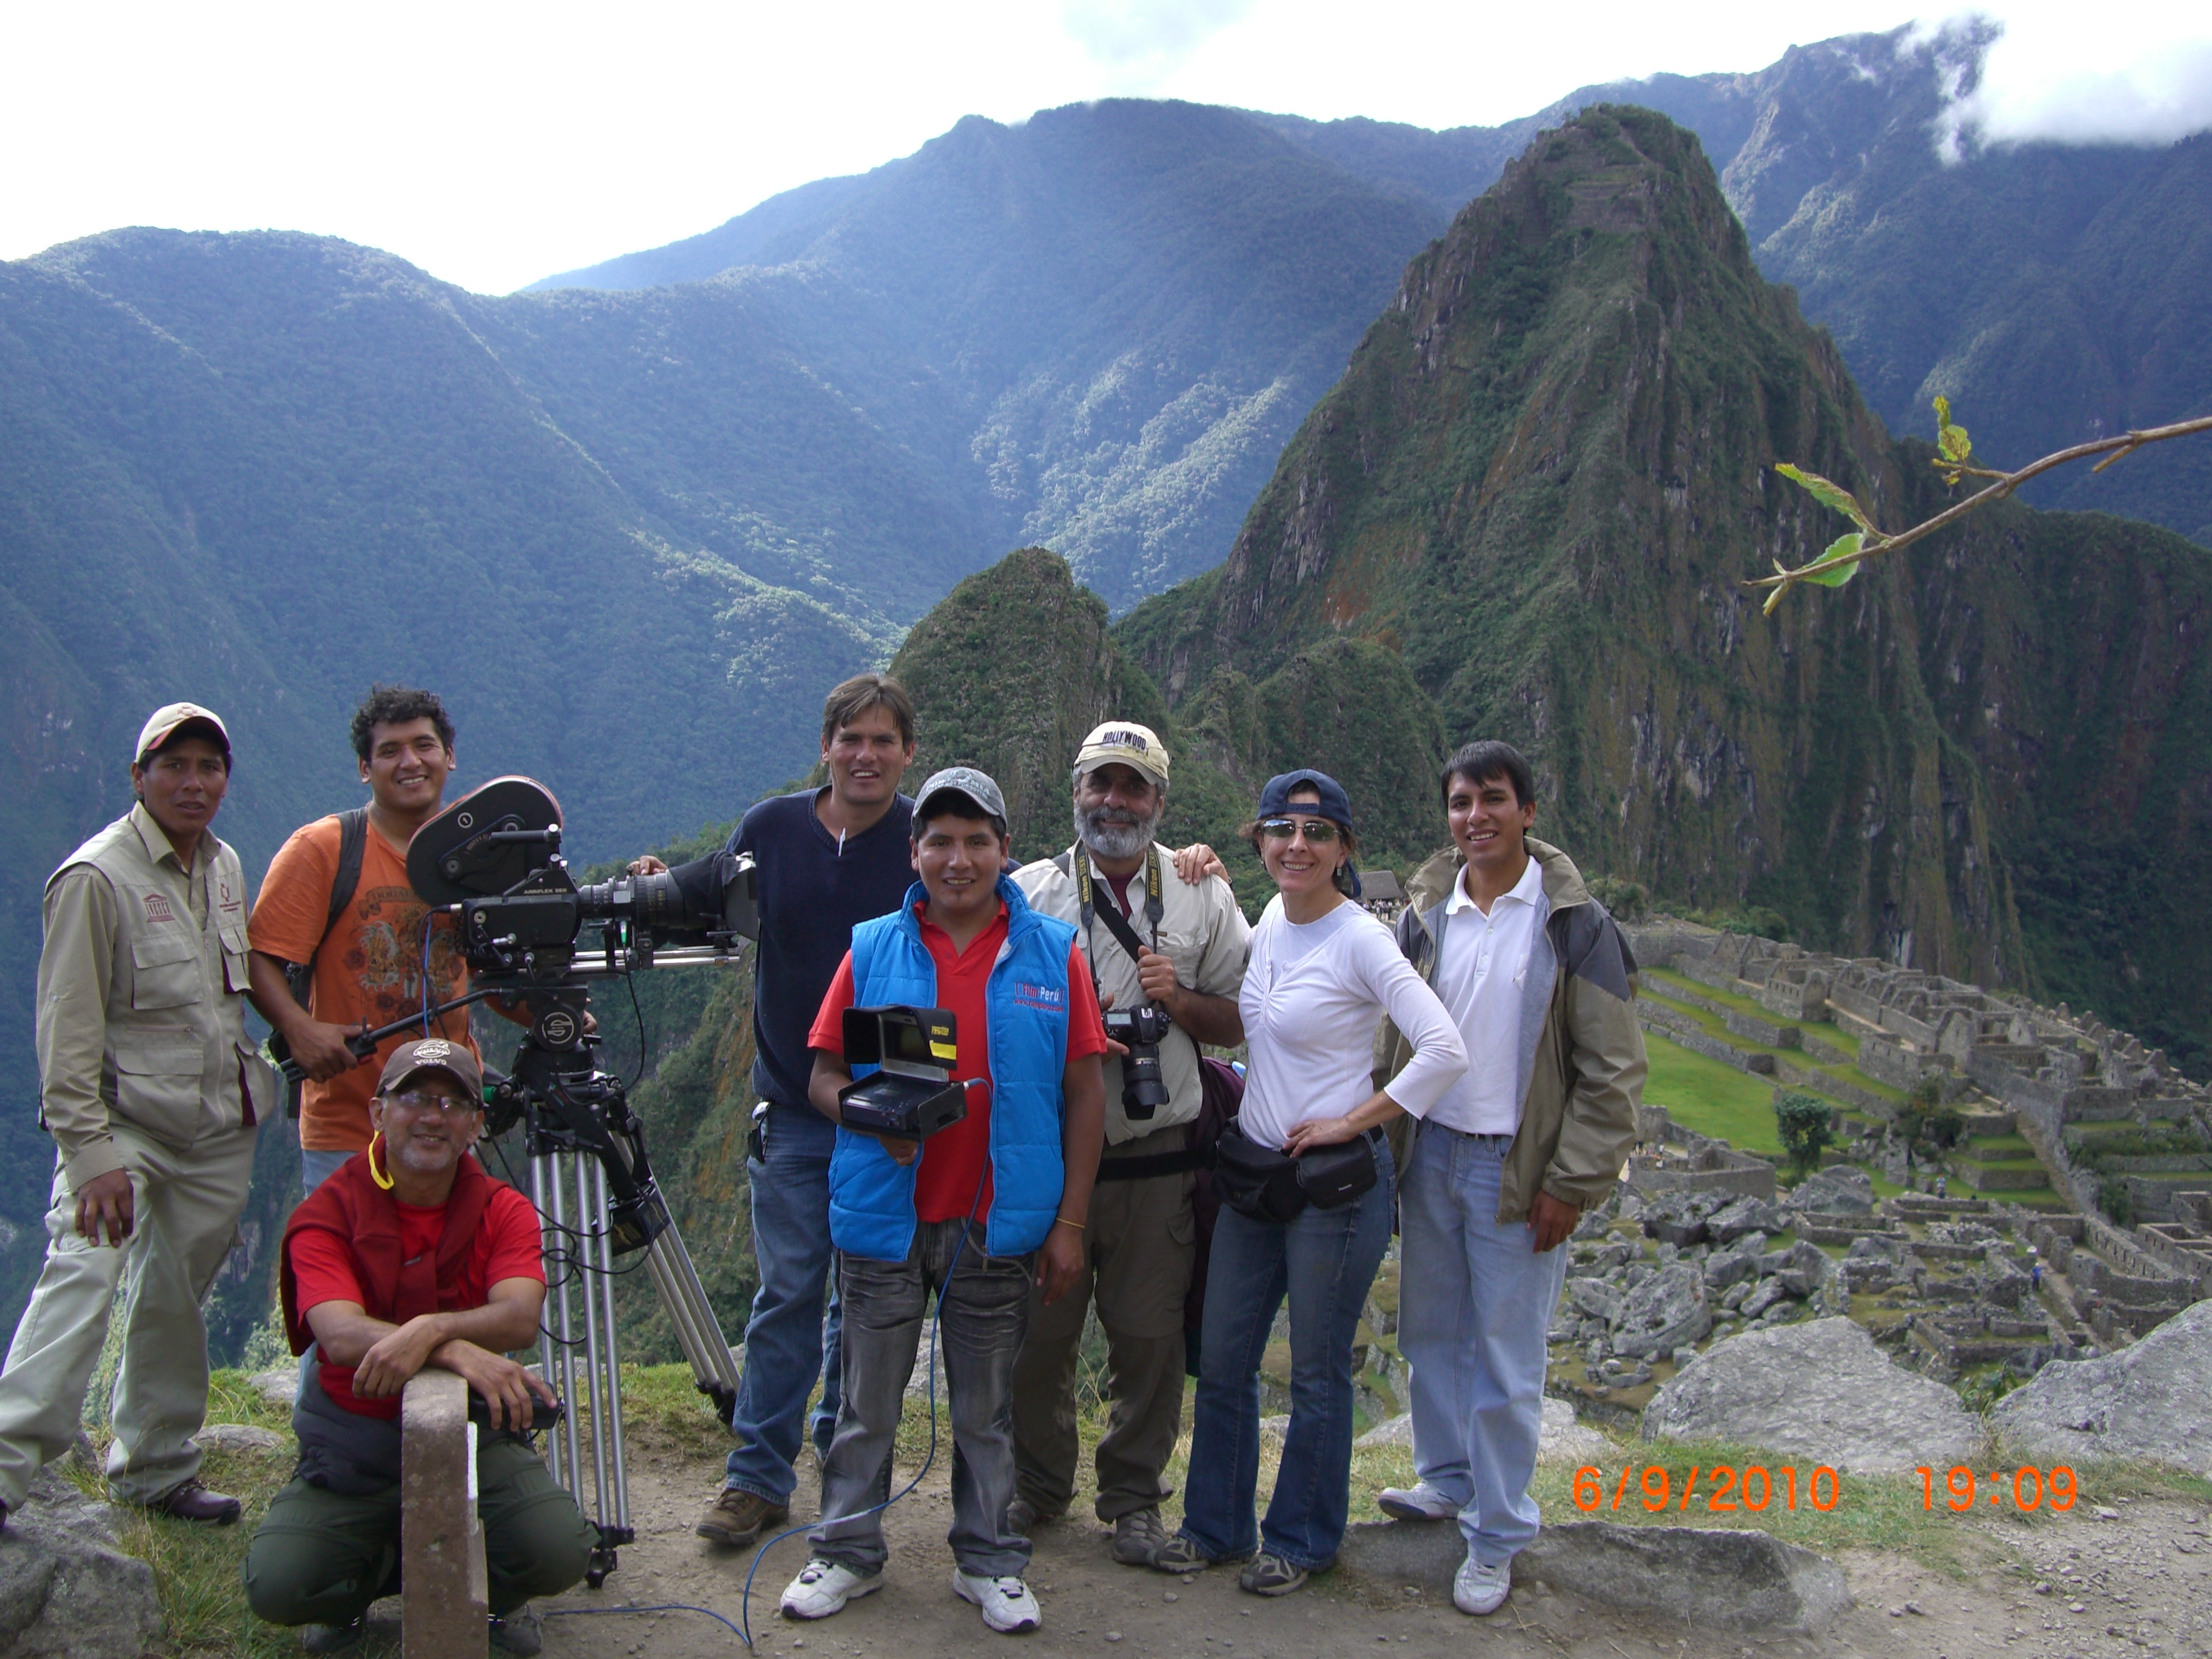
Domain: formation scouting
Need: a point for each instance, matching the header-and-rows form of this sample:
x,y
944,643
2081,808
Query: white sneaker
x,y
1419,1502
822,1587
1479,1589
1007,1604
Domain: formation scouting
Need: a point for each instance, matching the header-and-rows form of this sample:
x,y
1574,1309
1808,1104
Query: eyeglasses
x,y
1318,832
431,1099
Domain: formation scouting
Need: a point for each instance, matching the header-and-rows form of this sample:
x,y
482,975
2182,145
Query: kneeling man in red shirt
x,y
411,1255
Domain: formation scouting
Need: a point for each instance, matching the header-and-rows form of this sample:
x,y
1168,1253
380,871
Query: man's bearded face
x,y
1117,811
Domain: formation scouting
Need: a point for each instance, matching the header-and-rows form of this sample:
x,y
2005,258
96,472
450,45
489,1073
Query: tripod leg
x,y
613,1422
591,1225
696,1328
548,1350
571,1467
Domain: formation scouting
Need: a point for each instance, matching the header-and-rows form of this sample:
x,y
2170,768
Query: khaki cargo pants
x,y
1141,1242
185,1217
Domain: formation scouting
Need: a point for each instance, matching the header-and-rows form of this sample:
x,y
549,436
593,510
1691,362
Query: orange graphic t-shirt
x,y
370,968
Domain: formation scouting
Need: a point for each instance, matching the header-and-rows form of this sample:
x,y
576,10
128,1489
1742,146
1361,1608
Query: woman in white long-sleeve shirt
x,y
1322,974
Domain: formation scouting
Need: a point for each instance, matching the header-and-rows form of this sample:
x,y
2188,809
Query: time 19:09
x,y
2030,1485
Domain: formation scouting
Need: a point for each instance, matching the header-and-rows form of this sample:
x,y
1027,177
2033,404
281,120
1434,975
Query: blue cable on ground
x,y
660,1607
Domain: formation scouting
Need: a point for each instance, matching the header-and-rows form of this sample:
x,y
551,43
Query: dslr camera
x,y
1141,1030
911,1095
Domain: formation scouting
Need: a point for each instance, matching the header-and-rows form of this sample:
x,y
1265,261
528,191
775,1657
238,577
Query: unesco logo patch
x,y
157,909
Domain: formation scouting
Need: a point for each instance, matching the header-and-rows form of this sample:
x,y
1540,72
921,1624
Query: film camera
x,y
911,1095
494,858
1140,1030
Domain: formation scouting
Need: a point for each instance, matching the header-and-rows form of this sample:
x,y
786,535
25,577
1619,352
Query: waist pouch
x,y
1267,1185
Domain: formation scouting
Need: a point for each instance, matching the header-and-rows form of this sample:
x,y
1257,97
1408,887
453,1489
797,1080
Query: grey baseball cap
x,y
977,785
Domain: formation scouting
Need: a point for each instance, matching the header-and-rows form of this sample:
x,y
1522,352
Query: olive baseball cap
x,y
433,1055
1125,743
171,720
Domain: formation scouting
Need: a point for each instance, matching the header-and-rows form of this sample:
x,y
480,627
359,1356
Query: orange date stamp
x,y
1727,1489
2029,1488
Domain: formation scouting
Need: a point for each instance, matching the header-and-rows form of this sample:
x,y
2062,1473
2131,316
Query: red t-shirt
x,y
507,1246
956,1161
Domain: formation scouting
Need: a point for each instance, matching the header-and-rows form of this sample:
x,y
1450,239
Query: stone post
x,y
445,1600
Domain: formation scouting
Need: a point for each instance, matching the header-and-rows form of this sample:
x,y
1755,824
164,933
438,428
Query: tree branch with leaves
x,y
1954,461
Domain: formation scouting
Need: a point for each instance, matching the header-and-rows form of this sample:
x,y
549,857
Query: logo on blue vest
x,y
1046,998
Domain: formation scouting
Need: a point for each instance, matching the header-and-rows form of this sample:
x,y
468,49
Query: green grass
x,y
1711,1098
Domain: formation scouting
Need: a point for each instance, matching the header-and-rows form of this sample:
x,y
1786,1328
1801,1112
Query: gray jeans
x,y
982,1313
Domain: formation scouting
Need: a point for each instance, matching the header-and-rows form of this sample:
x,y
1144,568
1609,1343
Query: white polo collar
x,y
1527,890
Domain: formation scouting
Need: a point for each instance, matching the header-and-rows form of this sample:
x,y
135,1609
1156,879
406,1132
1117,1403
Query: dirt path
x,y
2138,1582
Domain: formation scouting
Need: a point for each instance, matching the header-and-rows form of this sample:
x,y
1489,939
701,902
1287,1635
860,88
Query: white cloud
x,y
2058,76
495,142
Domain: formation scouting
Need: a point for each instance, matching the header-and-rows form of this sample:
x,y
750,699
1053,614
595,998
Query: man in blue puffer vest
x,y
988,1204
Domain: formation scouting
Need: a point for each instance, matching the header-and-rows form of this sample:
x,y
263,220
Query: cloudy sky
x,y
494,142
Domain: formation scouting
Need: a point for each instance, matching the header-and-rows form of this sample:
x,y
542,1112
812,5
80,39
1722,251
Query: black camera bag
x,y
1271,1186
1253,1180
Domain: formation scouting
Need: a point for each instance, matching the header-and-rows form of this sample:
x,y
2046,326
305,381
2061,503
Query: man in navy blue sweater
x,y
828,859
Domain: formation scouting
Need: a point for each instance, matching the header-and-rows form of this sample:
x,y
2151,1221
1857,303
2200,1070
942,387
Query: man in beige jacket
x,y
152,1093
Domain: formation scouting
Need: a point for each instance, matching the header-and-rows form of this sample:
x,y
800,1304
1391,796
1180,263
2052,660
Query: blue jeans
x,y
1475,1304
1324,1261
316,1168
787,1342
983,1310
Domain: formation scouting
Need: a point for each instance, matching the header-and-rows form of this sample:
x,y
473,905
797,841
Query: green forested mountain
x,y
1540,485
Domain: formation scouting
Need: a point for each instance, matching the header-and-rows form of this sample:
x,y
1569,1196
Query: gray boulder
x,y
2151,1401
1727,1267
1843,1188
1704,1578
1763,1295
1820,1390
1808,1268
65,1588
1663,1312
1595,1299
1745,1215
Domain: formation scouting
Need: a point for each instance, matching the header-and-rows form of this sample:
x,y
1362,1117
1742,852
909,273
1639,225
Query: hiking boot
x,y
824,1587
333,1638
518,1632
737,1518
1480,1589
1179,1553
1267,1574
1006,1603
1139,1538
1419,1502
191,1501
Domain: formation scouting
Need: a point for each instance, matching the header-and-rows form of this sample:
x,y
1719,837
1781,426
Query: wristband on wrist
x,y
1066,1221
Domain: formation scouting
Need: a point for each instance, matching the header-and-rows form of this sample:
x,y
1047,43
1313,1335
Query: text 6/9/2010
x,y
1754,1488
2027,1486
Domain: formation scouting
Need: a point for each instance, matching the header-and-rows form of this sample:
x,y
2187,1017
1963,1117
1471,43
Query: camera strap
x,y
1076,862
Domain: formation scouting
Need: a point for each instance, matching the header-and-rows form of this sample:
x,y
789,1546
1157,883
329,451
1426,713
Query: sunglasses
x,y
1318,832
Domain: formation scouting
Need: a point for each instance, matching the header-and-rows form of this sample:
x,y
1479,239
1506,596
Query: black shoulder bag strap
x,y
353,843
1116,924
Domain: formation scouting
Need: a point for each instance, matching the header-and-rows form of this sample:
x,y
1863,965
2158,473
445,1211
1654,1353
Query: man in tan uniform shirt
x,y
1140,1242
152,1093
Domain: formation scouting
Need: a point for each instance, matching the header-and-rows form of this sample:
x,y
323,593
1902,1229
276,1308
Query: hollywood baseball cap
x,y
433,1055
977,785
1125,743
173,720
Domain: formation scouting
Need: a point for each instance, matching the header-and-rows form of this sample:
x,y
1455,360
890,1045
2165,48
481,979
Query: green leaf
x,y
1841,547
1942,412
1828,495
1955,444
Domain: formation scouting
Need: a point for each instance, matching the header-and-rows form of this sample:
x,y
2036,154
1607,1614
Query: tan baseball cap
x,y
172,718
1125,743
433,1055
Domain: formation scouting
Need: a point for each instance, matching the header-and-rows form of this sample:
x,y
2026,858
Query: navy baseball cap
x,y
1334,804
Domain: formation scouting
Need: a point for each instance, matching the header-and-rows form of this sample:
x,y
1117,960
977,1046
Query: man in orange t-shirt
x,y
368,971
